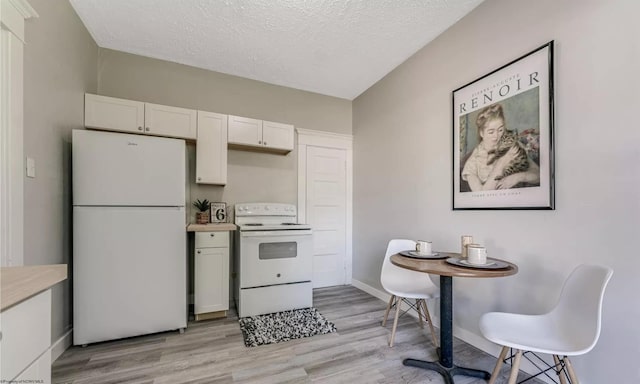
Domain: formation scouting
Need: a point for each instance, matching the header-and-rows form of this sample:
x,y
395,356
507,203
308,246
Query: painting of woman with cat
x,y
502,136
500,160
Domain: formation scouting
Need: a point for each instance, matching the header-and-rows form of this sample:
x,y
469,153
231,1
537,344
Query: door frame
x,y
12,171
312,138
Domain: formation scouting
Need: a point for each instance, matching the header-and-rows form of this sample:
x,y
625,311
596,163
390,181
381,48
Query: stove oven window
x,y
284,250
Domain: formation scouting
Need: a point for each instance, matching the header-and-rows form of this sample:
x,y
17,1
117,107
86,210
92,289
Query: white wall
x,y
60,65
402,166
251,176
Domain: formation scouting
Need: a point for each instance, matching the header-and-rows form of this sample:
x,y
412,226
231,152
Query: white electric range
x,y
273,259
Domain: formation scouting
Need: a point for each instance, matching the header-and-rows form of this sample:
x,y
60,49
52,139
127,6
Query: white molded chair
x,y
571,328
404,285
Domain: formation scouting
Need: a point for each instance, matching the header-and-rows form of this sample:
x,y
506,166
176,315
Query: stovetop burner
x,y
263,217
264,224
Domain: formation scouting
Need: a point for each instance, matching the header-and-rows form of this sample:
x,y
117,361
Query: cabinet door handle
x,y
139,128
199,178
265,143
259,141
147,129
199,251
212,234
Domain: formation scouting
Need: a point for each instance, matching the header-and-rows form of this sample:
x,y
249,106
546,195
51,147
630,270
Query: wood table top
x,y
441,267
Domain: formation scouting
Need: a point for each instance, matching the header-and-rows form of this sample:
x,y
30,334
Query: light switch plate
x,y
31,167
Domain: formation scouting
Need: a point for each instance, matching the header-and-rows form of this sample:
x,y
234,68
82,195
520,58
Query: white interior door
x,y
326,206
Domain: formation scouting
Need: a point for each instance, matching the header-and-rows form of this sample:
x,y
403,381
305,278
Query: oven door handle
x,y
275,233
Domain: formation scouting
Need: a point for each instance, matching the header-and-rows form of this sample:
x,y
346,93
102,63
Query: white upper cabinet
x,y
102,112
264,136
245,131
277,135
211,148
110,113
162,120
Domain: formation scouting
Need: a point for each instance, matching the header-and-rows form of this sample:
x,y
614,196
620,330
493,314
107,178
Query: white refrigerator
x,y
129,239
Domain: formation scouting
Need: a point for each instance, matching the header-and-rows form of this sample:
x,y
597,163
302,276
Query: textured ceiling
x,y
332,47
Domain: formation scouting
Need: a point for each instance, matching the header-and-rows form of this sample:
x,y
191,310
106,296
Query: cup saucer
x,y
420,254
466,262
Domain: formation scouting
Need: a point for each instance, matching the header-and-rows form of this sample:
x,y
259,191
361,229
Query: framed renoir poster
x,y
503,136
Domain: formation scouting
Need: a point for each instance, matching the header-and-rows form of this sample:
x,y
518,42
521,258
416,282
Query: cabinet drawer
x,y
26,334
212,239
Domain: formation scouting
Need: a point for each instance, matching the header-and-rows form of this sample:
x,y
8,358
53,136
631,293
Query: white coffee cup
x,y
423,247
476,254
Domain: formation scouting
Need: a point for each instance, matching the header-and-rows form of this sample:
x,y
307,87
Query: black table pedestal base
x,y
447,373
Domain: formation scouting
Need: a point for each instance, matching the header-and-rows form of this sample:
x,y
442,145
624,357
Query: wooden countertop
x,y
20,283
211,227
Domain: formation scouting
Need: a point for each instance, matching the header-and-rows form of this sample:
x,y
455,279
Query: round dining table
x,y
444,365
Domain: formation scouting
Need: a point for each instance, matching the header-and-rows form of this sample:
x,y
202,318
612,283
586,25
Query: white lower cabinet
x,y
26,338
211,274
38,372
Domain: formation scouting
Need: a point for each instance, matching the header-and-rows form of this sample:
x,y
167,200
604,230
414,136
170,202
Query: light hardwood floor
x,y
213,352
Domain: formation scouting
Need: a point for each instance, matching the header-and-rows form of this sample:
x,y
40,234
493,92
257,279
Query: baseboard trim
x,y
384,296
465,335
61,345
